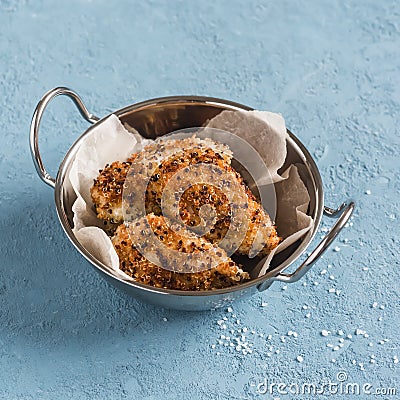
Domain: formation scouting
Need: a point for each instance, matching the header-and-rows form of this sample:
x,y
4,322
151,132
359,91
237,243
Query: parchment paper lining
x,y
111,141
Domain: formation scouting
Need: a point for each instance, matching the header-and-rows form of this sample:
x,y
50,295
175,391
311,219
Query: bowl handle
x,y
35,125
343,213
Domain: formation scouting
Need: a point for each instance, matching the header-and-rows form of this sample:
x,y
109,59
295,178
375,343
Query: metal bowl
x,y
157,117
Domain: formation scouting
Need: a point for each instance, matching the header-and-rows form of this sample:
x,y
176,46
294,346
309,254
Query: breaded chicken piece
x,y
107,188
162,161
107,193
168,246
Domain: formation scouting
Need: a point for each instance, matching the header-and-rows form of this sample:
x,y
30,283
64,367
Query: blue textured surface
x,y
331,68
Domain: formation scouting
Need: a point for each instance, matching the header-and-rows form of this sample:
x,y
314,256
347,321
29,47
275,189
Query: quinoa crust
x,y
225,274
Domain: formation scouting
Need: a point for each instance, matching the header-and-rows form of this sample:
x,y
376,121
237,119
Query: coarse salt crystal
x,y
349,336
368,192
308,315
305,307
341,340
340,332
336,249
374,304
316,283
165,319
323,272
336,348
332,277
264,304
299,359
324,332
230,309
331,290
370,344
284,287
382,307
277,351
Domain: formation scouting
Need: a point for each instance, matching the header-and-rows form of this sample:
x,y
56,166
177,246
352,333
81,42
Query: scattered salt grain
x,y
230,309
304,283
336,348
336,249
360,332
300,359
382,307
341,340
277,351
331,290
165,319
324,332
374,304
365,268
349,336
308,315
323,272
333,360
305,307
284,287
395,360
368,192
340,332
329,265
338,292
370,344
332,277
316,283
264,304
354,362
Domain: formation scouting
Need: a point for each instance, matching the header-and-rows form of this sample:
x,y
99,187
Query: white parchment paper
x,y
110,141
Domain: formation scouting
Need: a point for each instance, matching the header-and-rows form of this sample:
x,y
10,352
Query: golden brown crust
x,y
166,161
132,262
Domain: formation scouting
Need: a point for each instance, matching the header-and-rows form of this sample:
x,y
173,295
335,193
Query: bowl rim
x,y
230,105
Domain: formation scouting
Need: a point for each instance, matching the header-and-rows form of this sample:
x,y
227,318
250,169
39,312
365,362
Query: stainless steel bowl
x,y
157,117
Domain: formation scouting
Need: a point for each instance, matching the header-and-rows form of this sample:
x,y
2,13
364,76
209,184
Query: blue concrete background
x,y
330,67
